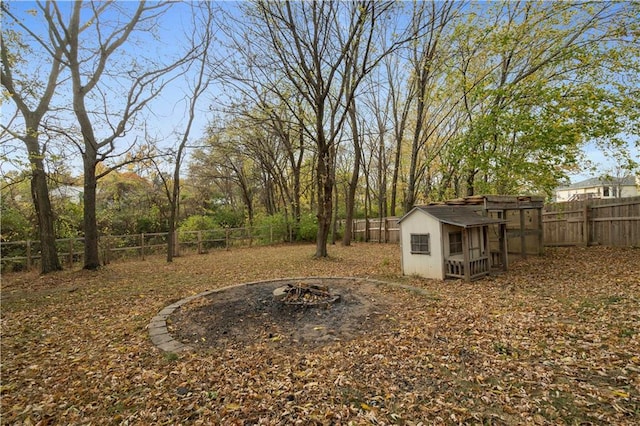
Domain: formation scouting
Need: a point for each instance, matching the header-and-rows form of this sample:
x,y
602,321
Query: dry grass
x,y
554,341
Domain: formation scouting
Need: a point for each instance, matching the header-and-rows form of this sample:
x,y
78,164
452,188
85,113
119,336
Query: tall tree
x,y
539,85
201,38
400,99
224,160
307,44
427,58
350,75
33,101
91,39
276,139
381,106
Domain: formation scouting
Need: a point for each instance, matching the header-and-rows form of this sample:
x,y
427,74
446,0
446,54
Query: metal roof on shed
x,y
457,216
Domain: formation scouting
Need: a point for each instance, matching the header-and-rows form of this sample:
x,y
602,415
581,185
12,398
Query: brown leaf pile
x,y
556,340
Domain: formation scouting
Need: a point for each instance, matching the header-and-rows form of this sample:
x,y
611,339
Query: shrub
x,y
308,228
192,224
270,229
197,223
68,220
15,226
228,217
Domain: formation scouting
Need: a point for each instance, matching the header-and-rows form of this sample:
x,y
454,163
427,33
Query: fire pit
x,y
292,313
305,294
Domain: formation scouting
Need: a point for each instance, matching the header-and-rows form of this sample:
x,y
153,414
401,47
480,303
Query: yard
x,y
556,340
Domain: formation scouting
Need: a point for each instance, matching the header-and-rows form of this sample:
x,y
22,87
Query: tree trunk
x,y
297,186
415,150
174,205
353,183
334,227
324,180
49,261
394,178
471,177
296,199
382,175
171,243
91,254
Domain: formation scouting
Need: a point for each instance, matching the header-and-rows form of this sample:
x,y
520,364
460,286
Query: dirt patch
x,y
249,314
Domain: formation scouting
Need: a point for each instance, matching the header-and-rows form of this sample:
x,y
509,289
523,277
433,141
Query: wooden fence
x,y
610,222
21,255
385,230
604,222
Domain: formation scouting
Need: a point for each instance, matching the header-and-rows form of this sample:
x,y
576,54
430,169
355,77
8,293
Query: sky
x,y
166,114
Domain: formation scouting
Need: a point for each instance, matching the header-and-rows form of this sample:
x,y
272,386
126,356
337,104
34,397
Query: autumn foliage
x,y
556,340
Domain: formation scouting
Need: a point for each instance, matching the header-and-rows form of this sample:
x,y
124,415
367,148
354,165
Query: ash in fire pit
x,y
305,294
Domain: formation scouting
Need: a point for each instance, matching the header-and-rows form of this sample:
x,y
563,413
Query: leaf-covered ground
x,y
556,340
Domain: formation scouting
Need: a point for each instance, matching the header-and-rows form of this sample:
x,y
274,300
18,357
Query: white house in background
x,y
74,194
446,241
599,188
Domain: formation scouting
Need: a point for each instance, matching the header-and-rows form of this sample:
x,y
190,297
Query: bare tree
x,y
95,73
307,45
401,99
224,161
276,139
380,104
33,105
425,57
202,39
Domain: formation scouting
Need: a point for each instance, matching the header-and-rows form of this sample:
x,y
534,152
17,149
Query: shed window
x,y
420,244
455,242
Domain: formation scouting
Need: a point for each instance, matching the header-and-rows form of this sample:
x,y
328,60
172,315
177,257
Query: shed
x,y
441,241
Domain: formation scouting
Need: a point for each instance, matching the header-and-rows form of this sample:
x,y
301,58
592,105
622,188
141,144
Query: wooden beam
x,y
523,240
585,225
605,219
540,234
514,233
465,254
507,206
557,212
504,249
632,202
486,250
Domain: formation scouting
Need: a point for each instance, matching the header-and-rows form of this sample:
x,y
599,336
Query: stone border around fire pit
x,y
159,333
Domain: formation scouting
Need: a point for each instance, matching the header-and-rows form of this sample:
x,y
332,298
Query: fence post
x,y
386,230
366,229
29,262
109,249
199,242
355,232
523,241
270,233
70,259
105,250
176,243
585,224
540,233
226,238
